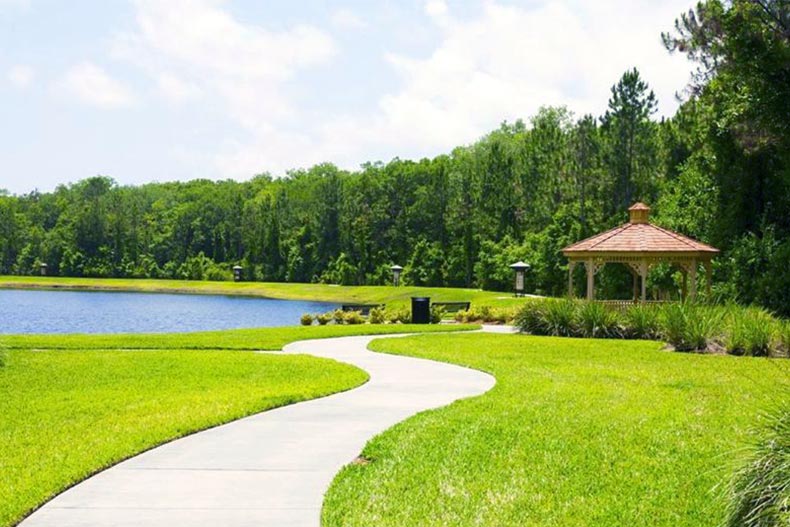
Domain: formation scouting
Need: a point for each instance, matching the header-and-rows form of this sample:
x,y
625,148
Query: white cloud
x,y
92,85
21,76
197,49
508,62
176,90
500,65
436,8
345,19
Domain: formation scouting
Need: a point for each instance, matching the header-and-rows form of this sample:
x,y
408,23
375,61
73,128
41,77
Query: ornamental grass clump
x,y
323,319
307,319
596,320
559,318
641,322
783,338
688,327
759,493
750,332
530,318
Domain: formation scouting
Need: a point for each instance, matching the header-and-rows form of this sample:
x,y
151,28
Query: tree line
x,y
718,170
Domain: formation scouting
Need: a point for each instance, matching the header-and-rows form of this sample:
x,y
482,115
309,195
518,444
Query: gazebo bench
x,y
453,307
364,309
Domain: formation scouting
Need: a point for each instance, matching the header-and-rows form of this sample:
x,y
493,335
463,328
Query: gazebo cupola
x,y
639,245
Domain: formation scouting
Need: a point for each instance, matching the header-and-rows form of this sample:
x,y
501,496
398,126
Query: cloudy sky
x,y
157,90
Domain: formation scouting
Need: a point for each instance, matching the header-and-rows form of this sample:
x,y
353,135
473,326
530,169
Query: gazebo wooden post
x,y
693,280
590,265
636,283
571,267
643,272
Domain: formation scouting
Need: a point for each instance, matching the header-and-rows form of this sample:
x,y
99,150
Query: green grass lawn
x,y
575,432
69,413
392,296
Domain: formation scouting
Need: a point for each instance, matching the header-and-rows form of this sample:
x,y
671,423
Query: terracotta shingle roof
x,y
639,236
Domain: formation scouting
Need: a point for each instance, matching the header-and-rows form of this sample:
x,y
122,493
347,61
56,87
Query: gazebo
x,y
639,244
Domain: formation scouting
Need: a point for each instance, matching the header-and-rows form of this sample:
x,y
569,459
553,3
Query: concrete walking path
x,y
269,469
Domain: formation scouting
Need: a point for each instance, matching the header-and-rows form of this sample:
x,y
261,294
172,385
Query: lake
x,y
37,311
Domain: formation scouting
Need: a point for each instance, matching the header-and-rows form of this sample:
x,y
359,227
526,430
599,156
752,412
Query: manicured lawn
x,y
67,414
236,339
392,296
576,432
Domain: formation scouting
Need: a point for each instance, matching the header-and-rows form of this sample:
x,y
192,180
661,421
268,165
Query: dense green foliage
x,y
687,327
575,433
68,414
718,170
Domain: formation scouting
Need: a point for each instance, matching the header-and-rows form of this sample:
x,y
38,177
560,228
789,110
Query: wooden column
x,y
636,284
643,272
693,280
590,265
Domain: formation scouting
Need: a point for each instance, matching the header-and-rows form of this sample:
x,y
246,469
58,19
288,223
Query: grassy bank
x,y
392,296
575,432
70,412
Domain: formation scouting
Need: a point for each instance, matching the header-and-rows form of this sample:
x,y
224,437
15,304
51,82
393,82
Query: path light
x,y
396,271
520,269
237,269
43,268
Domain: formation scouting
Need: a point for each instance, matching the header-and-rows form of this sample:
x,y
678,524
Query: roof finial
x,y
638,213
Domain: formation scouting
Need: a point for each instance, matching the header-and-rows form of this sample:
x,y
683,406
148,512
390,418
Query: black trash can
x,y
420,310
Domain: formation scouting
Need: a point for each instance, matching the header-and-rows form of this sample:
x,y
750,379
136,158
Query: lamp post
x,y
43,269
520,269
237,269
396,271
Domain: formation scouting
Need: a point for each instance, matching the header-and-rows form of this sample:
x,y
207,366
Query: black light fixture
x,y
396,271
520,269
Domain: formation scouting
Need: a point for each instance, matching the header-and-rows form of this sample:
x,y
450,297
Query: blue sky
x,y
158,90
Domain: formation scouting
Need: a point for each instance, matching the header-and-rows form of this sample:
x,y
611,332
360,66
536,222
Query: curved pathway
x,y
271,468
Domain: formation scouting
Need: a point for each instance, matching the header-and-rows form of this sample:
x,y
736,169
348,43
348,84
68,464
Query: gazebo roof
x,y
639,236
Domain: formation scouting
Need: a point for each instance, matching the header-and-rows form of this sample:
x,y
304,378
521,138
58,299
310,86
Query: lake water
x,y
36,311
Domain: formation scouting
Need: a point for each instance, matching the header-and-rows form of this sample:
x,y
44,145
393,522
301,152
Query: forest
x,y
718,170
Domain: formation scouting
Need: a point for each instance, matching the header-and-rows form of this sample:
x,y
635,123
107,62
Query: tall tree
x,y
631,141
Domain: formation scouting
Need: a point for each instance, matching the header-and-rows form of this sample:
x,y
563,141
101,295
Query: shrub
x,y
688,327
783,337
377,316
641,322
759,492
559,318
354,318
750,332
339,315
324,319
307,319
398,316
437,313
530,318
597,321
